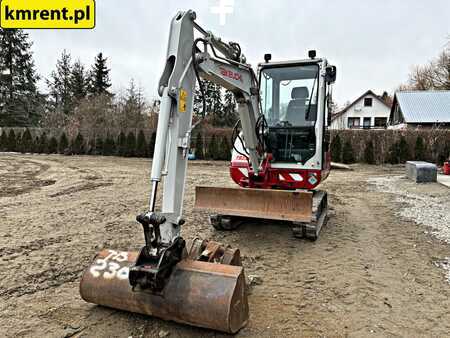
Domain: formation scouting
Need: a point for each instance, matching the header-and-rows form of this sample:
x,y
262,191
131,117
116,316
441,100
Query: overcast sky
x,y
374,44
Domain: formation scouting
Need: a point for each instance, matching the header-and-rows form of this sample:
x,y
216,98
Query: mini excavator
x,y
280,155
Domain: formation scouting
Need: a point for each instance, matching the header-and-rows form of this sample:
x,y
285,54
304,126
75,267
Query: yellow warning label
x,y
182,98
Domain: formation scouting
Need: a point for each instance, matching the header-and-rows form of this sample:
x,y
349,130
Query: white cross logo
x,y
225,7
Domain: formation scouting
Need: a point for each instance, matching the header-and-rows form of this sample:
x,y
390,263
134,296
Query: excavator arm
x,y
205,284
186,64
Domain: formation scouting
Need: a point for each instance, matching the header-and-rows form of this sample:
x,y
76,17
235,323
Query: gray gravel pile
x,y
425,209
430,211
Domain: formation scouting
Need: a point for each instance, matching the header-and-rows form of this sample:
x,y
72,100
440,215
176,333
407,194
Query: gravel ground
x,y
424,204
373,272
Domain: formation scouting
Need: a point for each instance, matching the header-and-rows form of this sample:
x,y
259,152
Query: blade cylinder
x,y
198,293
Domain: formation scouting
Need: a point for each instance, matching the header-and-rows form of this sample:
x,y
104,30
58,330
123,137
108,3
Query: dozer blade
x,y
198,293
282,205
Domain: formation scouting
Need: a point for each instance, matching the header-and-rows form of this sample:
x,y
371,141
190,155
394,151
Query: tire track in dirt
x,y
29,247
41,281
19,176
80,188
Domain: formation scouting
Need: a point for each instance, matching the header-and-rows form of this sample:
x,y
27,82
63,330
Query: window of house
x,y
368,102
381,122
366,122
353,122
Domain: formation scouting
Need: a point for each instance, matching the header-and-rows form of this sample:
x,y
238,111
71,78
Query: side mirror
x,y
330,74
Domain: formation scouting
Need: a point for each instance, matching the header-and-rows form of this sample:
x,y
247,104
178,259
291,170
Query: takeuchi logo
x,y
230,74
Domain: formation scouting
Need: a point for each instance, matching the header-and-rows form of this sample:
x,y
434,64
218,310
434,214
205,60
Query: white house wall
x,y
378,109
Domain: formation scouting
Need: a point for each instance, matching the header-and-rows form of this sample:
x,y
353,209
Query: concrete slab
x,y
444,179
421,172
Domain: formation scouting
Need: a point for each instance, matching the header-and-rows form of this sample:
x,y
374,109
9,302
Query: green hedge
x,y
349,146
391,146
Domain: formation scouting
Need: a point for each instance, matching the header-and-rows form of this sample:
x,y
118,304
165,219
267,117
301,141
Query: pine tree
x,y
35,146
420,149
52,145
369,153
90,148
131,145
151,146
78,146
99,146
20,100
26,142
109,146
60,84
199,152
79,81
214,104
392,156
133,107
63,145
12,143
212,150
348,156
216,100
336,149
230,115
122,144
198,102
4,141
43,144
99,76
225,150
141,146
403,150
386,98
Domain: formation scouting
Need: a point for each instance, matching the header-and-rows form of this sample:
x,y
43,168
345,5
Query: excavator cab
x,y
294,97
289,99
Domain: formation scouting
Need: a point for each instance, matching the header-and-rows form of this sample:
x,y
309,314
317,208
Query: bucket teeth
x,y
214,252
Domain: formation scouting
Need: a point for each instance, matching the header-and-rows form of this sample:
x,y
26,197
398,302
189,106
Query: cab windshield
x,y
289,95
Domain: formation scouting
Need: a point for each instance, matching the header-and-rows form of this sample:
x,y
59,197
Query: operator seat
x,y
296,109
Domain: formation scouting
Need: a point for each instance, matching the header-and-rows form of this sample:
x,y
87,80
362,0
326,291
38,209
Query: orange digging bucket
x,y
203,294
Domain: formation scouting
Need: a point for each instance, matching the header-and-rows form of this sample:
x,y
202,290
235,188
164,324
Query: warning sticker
x,y
182,98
